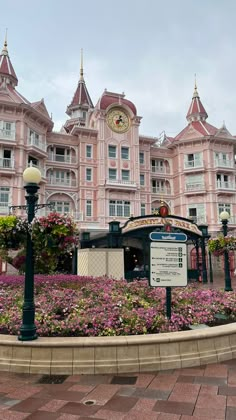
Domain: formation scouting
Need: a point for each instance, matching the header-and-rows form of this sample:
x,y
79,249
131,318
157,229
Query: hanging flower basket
x,y
217,246
13,231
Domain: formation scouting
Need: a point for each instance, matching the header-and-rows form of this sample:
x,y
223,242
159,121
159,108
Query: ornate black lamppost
x,y
32,178
224,216
204,230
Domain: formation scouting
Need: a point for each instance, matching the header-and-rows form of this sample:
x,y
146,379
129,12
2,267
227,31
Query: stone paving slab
x,y
201,393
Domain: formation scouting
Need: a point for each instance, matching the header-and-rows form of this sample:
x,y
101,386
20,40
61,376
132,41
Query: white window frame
x,y
114,176
89,208
112,151
89,151
224,207
119,208
125,175
4,192
62,207
143,209
89,174
142,180
141,158
125,153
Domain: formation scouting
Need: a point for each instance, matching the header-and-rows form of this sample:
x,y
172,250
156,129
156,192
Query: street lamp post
x,y
204,230
224,216
32,178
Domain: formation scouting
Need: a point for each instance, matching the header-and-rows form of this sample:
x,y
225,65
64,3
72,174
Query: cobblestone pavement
x,y
206,392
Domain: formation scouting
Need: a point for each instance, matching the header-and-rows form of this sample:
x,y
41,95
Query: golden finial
x,y
5,51
81,65
195,93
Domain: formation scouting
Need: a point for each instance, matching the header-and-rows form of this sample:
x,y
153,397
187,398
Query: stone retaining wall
x,y
123,354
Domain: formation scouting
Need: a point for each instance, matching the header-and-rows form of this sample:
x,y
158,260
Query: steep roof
x,y
196,110
6,67
197,125
81,98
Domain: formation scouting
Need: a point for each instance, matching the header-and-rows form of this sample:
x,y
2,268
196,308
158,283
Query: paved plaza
x,y
206,392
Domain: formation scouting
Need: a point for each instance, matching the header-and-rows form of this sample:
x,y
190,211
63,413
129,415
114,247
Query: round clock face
x,y
118,120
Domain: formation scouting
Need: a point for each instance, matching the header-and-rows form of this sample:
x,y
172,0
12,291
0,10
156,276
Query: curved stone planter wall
x,y
100,355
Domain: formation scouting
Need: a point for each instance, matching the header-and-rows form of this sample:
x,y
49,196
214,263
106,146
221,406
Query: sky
x,y
150,50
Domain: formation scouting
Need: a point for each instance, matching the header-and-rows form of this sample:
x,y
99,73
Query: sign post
x,y
168,262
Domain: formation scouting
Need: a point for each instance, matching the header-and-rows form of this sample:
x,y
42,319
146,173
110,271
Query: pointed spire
x,y
7,72
81,100
196,110
195,93
5,50
81,66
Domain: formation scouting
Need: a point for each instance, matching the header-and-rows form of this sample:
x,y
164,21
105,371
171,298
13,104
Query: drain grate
x,y
89,402
124,380
52,379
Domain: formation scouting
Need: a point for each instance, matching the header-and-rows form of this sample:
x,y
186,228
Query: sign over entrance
x,y
144,222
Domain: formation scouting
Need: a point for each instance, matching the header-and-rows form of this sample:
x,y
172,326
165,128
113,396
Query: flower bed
x,y
69,305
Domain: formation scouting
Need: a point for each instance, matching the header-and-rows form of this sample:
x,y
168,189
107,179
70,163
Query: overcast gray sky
x,y
148,49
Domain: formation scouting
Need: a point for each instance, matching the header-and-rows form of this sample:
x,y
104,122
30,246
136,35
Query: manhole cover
x,y
124,380
52,379
89,402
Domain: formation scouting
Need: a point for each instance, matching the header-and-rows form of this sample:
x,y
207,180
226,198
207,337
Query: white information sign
x,y
168,264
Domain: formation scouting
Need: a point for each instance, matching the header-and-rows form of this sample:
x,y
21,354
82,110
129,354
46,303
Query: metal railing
x,y
197,219
7,134
225,185
120,182
40,168
195,187
191,164
4,207
6,163
157,190
36,143
67,182
61,158
160,170
224,163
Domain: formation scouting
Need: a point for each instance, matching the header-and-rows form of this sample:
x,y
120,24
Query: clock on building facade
x,y
118,120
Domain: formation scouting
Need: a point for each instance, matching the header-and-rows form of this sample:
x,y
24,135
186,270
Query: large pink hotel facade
x,y
98,167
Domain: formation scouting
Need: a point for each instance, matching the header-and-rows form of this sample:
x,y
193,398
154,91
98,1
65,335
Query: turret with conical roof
x,y
196,110
81,102
7,72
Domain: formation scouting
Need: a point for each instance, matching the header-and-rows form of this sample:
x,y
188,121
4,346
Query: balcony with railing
x,y
120,184
198,187
7,134
224,163
36,143
160,170
61,158
225,186
194,164
6,163
198,219
231,221
62,182
40,168
161,190
4,207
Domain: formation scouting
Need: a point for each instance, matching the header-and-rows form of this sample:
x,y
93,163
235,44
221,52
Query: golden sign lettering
x,y
135,224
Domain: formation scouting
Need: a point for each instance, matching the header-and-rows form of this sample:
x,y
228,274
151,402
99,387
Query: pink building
x,y
98,167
